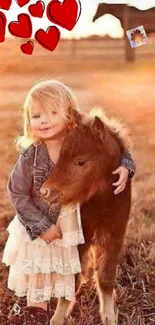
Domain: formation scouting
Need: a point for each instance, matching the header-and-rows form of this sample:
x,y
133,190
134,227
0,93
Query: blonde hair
x,y
51,92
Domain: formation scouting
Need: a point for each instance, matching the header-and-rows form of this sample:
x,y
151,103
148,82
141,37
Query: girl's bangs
x,y
52,104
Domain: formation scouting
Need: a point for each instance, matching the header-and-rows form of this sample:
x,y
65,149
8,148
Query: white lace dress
x,y
39,270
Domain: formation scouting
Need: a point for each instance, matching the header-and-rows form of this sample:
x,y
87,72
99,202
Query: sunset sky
x,y
84,27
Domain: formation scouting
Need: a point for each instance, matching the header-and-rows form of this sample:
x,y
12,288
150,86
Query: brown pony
x,y
83,173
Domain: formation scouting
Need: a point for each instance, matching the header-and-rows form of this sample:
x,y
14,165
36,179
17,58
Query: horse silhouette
x,y
137,17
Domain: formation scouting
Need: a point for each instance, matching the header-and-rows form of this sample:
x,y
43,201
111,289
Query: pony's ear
x,y
78,118
98,128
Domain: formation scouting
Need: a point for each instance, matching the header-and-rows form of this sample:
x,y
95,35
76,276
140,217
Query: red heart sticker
x,y
22,27
37,10
64,14
2,26
22,3
5,4
48,39
27,48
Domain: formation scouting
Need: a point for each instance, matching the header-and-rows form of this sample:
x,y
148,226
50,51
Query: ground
x,y
122,90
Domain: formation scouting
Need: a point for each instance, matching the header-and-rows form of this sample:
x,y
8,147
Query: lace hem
x,y
49,265
40,295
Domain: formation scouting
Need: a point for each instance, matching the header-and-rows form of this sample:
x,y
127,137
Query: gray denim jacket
x,y
29,173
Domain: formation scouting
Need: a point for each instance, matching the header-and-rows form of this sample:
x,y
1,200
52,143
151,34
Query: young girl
x,y
41,249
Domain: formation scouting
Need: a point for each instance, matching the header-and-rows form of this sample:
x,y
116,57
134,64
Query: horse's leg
x,y
65,307
78,286
79,277
60,312
106,261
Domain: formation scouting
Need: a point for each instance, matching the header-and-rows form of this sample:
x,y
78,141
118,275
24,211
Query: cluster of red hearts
x,y
64,14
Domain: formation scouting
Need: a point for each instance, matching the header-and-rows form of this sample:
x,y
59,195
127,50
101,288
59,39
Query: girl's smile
x,y
45,126
45,129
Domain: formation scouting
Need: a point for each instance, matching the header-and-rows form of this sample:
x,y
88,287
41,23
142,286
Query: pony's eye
x,y
80,162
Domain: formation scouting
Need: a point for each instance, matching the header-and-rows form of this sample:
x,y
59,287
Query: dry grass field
x,y
123,90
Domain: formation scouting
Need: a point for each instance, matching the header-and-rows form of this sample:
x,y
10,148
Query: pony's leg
x,y
106,261
107,304
71,307
79,277
78,287
60,312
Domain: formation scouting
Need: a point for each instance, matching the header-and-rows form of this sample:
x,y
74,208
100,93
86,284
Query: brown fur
x,y
101,142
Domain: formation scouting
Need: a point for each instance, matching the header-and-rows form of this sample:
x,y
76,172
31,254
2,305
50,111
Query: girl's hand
x,y
51,234
121,183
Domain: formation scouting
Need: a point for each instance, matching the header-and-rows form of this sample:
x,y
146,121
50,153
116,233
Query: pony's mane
x,y
121,131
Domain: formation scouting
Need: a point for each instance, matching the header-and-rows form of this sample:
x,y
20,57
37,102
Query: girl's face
x,y
43,126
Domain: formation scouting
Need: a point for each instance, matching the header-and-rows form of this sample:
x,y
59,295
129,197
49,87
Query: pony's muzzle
x,y
50,195
45,192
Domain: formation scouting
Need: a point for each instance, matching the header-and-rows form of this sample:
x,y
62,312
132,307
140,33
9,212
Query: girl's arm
x,y
128,162
19,187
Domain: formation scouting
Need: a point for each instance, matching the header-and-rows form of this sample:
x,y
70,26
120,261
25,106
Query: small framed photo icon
x,y
137,36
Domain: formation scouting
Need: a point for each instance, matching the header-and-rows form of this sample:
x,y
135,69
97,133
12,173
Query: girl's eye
x,y
36,116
